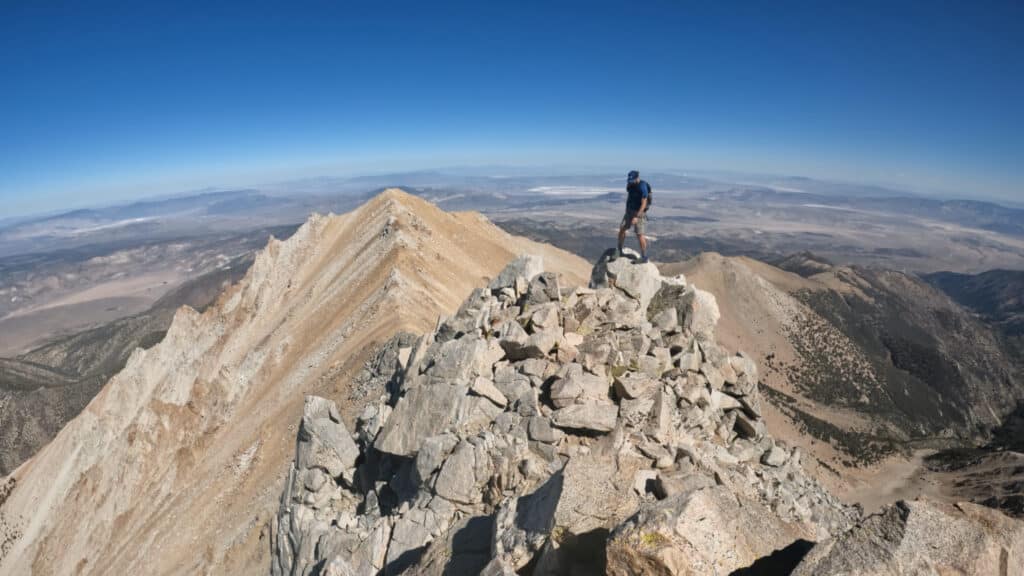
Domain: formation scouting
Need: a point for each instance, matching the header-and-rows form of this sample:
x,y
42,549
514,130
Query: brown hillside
x,y
866,369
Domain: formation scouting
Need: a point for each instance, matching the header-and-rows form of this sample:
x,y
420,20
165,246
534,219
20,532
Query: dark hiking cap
x,y
633,174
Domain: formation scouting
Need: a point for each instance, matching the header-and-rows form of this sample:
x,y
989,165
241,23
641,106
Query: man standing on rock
x,y
637,201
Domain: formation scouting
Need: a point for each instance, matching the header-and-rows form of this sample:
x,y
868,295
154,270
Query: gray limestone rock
x,y
639,281
486,388
457,361
423,412
747,427
540,429
457,479
632,385
544,287
592,416
703,315
432,453
338,567
544,317
776,456
524,267
708,530
518,345
324,442
667,320
923,537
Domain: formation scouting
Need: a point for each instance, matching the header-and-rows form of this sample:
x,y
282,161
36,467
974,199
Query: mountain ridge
x,y
192,420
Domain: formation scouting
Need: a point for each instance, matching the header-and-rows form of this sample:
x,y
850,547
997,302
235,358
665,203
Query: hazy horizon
x,y
114,101
456,174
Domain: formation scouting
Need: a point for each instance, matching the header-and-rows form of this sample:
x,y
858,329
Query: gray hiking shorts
x,y
641,222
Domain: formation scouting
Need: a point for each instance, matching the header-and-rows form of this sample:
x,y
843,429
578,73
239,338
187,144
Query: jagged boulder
x,y
592,416
520,345
458,478
599,273
703,314
574,385
633,385
423,412
923,537
523,269
710,530
545,287
638,281
324,442
325,464
522,525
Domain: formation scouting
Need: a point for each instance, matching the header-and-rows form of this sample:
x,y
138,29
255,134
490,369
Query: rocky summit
x,y
549,429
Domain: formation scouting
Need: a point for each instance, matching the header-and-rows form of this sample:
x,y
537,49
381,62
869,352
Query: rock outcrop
x,y
559,430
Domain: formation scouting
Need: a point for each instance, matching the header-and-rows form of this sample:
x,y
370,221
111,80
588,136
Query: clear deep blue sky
x,y
102,101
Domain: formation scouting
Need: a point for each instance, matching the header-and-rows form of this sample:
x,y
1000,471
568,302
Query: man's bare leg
x,y
622,239
643,245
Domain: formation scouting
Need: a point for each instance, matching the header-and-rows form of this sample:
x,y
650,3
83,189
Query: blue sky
x,y
104,101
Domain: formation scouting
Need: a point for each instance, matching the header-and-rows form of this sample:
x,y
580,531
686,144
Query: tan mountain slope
x,y
861,366
759,316
177,465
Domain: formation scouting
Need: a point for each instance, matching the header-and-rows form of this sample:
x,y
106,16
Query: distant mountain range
x,y
294,200
968,213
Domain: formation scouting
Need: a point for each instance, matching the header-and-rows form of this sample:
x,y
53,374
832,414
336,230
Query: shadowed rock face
x,y
587,430
997,295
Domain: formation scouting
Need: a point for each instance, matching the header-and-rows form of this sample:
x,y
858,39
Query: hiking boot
x,y
643,260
